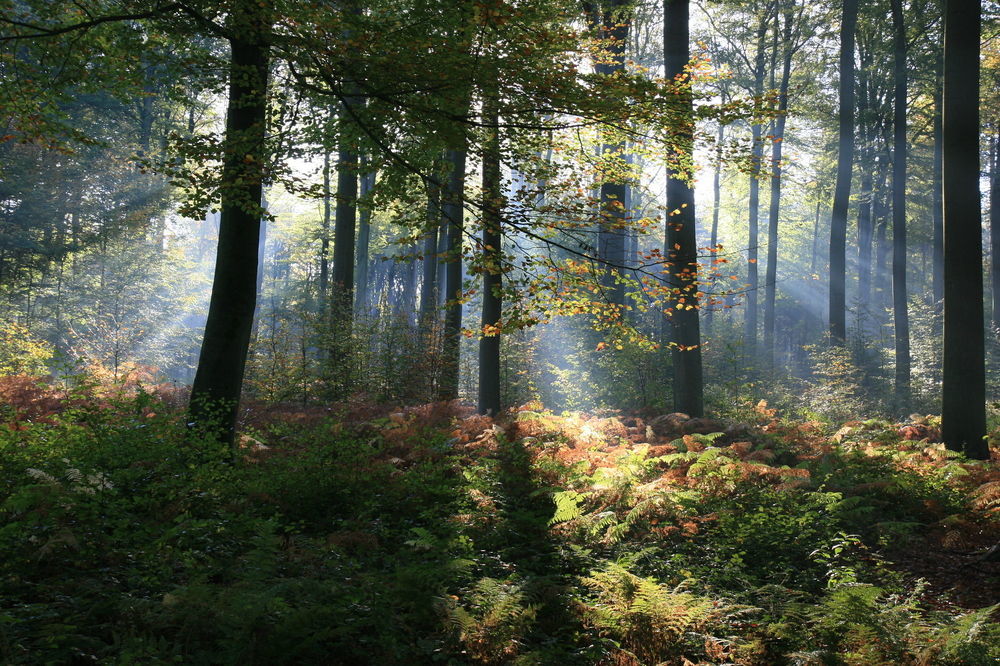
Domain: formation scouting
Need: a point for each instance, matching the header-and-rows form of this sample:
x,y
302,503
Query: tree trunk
x,y
771,275
453,209
681,248
361,298
753,236
936,203
716,205
324,241
492,207
963,414
900,315
612,229
866,163
842,191
344,230
995,231
215,392
429,287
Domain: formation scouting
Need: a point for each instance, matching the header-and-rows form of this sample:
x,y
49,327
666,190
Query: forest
x,y
610,332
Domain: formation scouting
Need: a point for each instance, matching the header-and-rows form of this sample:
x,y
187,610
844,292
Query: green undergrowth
x,y
127,540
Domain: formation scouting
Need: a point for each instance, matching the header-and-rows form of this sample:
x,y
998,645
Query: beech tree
x,y
681,245
963,412
842,189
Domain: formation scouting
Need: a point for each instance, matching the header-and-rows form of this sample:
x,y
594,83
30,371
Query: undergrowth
x,y
432,536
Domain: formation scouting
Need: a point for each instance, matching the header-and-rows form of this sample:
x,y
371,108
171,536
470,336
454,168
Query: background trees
x,y
367,279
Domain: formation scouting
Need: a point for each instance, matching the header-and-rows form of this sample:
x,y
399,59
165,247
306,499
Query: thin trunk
x,y
771,275
429,288
681,240
345,227
453,209
713,242
361,262
215,393
880,223
442,262
936,203
900,315
489,342
842,191
324,240
963,415
866,163
995,231
757,152
814,257
611,236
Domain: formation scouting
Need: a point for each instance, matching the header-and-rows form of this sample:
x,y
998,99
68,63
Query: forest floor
x,y
359,533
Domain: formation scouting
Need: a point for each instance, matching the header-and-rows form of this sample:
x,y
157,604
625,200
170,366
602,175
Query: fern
x,y
493,620
649,621
567,506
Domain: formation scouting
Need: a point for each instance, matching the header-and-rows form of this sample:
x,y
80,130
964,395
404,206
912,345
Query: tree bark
x,y
963,414
613,27
681,249
866,162
361,297
489,341
753,234
995,231
937,214
900,315
324,241
716,206
842,190
215,392
771,274
453,210
344,231
429,286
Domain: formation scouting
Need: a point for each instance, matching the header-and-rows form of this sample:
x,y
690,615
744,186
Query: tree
x,y
221,364
963,410
611,20
681,245
901,321
789,45
453,211
492,268
757,148
842,189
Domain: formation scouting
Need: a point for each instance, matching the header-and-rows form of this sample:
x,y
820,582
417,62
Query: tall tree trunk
x,y
215,392
681,241
713,241
324,241
937,212
344,231
963,414
900,315
995,231
756,156
453,209
492,207
614,27
429,287
361,299
771,275
842,190
881,195
866,159
814,255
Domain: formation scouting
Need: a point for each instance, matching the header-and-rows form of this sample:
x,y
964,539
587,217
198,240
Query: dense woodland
x,y
500,332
